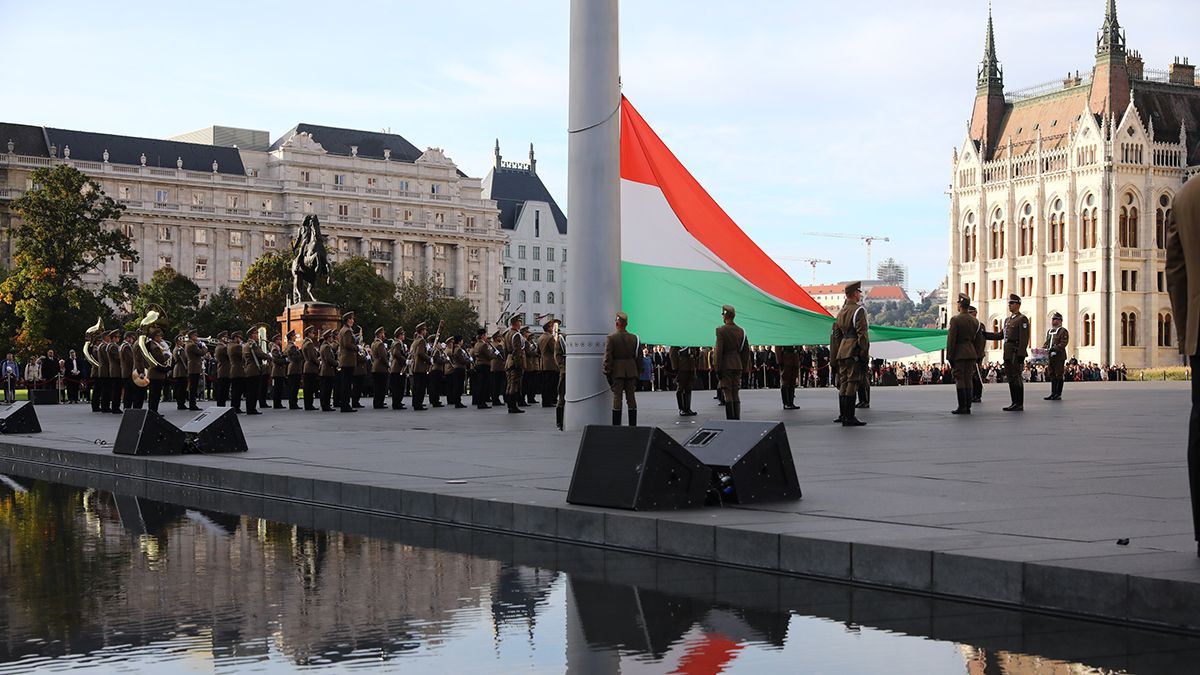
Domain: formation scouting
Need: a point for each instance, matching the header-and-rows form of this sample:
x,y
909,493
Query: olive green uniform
x,y
621,350
849,346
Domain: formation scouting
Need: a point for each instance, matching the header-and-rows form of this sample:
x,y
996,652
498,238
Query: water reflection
x,y
100,576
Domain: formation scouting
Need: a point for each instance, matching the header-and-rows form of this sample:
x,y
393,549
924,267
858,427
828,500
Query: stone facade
x,y
414,215
1060,194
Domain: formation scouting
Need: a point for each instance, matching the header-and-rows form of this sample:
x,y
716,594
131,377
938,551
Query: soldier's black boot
x,y
632,417
841,410
616,418
783,397
679,403
558,418
848,418
512,405
964,402
737,410
687,405
728,411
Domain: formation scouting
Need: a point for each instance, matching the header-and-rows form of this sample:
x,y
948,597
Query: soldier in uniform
x,y
221,354
128,365
731,358
483,352
158,376
789,374
422,362
514,364
437,373
499,379
329,369
531,381
398,370
116,383
379,369
1015,334
179,376
549,378
1057,339
295,370
559,353
960,351
237,371
347,359
254,361
460,362
622,351
194,353
683,362
981,351
101,388
278,364
849,346
311,352
361,365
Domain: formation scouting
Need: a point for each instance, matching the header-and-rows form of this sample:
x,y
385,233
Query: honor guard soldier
x,y
1016,346
437,373
221,355
622,351
158,376
254,361
126,354
499,381
559,353
849,347
731,358
460,363
960,351
421,363
295,370
549,378
531,384
379,370
481,375
115,382
362,366
683,362
329,369
514,364
981,351
179,372
347,359
279,368
789,374
195,352
1057,339
311,352
101,380
237,373
398,369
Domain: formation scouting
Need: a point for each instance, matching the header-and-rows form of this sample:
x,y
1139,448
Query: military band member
x,y
559,352
481,375
379,370
499,379
981,351
221,355
329,369
158,376
437,373
128,365
549,373
362,366
254,361
398,369
347,359
310,350
514,364
731,358
622,351
101,384
278,365
460,362
194,352
960,352
1057,339
179,372
850,346
1015,334
237,371
115,383
265,370
531,382
789,374
421,363
683,362
295,370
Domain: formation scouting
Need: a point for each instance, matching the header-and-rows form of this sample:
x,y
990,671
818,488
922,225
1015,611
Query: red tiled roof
x,y
887,293
825,289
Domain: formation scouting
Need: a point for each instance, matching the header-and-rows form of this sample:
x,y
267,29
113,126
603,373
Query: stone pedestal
x,y
300,316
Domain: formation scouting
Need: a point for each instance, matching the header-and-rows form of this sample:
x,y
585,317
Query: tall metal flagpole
x,y
593,192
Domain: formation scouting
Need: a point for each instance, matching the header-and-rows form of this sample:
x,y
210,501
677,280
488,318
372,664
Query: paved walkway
x,y
1021,509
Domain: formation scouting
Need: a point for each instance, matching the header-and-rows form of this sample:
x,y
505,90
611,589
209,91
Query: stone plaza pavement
x,y
1020,509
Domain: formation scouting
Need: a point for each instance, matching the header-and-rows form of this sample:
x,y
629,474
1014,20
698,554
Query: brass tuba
x,y
142,377
87,342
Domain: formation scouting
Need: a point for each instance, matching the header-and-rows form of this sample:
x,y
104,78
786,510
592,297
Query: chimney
x,y
1182,72
1135,65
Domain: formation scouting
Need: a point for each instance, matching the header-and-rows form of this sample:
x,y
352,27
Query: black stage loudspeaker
x,y
43,396
750,461
19,418
215,430
635,468
145,432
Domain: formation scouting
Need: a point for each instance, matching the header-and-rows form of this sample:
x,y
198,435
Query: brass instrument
x,y
87,342
259,333
142,377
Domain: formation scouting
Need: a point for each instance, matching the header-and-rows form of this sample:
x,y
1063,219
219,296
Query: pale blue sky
x,y
796,116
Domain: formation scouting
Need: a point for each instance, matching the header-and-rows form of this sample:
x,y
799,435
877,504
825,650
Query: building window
x,y
549,254
521,296
200,236
995,329
537,252
372,182
1128,329
1164,330
232,201
564,256
1089,330
1025,246
343,244
339,179
408,249
997,231
201,271
521,252
435,189
537,297
267,205
126,267
197,199
439,217
343,209
439,250
164,261
269,241
550,298
123,192
235,270
1127,224
306,176
162,196
308,206
235,238
1058,227
550,275
473,253
507,250
537,274
537,227
470,221
164,233
408,275
508,295
127,230
1162,282
521,274
473,283
402,185
969,239
1161,216
377,212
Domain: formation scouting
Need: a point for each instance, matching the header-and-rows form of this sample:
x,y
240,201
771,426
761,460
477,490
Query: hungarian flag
x,y
682,258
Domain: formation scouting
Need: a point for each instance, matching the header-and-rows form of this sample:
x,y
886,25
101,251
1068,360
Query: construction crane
x,y
868,238
811,261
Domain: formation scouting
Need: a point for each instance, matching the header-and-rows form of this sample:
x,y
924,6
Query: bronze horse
x,y
310,261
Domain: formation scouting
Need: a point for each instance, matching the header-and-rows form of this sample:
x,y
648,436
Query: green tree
x,y
354,285
177,295
219,313
263,292
424,301
59,237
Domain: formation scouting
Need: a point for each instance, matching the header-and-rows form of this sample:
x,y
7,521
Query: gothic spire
x,y
990,75
1110,43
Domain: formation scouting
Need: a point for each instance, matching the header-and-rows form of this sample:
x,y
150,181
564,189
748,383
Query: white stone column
x,y
460,270
488,310
593,188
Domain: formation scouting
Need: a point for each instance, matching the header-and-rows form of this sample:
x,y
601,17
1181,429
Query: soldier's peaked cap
x,y
728,310
129,334
236,334
1056,315
419,326
481,332
1014,298
853,287
972,308
964,298
399,331
381,330
549,323
291,333
223,334
326,333
192,331
311,329
347,316
622,316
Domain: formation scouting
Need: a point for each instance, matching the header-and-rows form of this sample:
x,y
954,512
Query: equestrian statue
x,y
310,261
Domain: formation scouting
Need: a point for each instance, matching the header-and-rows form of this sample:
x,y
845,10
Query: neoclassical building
x,y
210,210
1060,194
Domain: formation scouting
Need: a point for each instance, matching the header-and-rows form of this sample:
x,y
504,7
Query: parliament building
x,y
1060,194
